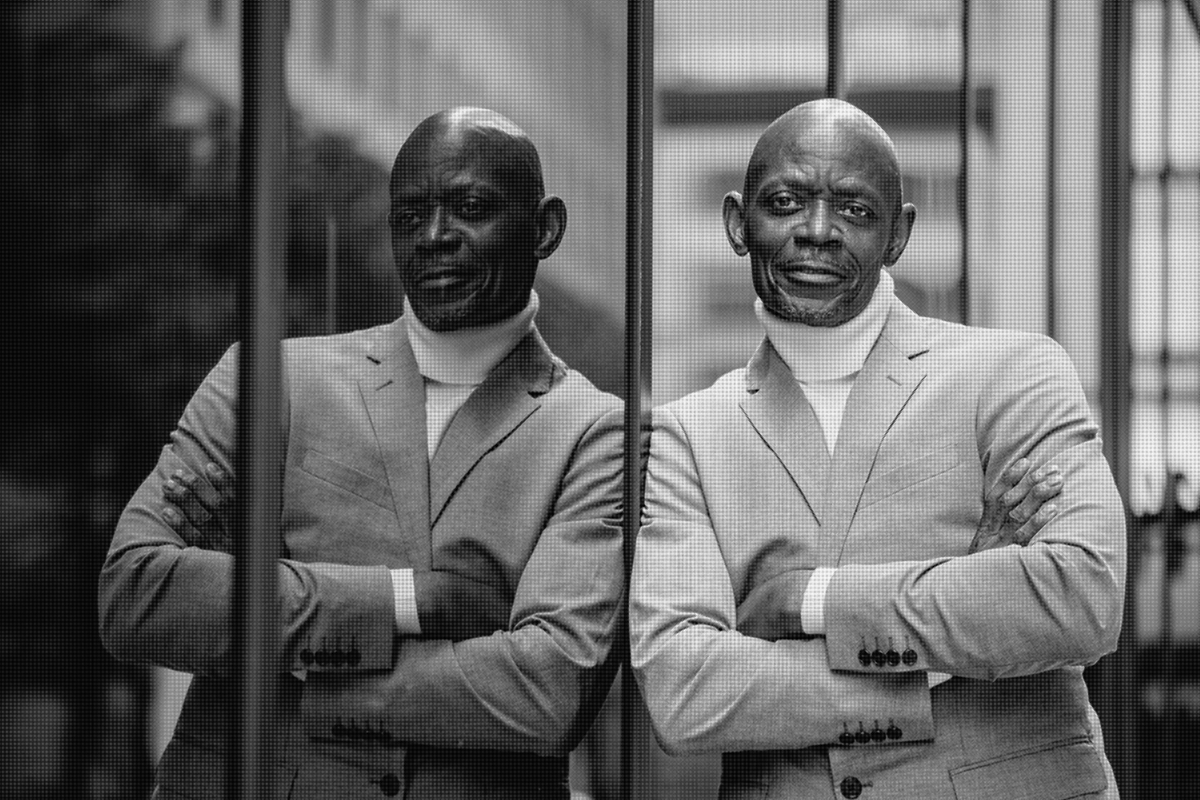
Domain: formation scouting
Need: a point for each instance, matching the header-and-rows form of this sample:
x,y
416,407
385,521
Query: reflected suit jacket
x,y
523,493
741,488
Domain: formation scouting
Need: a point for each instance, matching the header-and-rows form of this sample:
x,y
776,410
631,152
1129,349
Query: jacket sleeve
x,y
163,602
537,686
1014,610
710,688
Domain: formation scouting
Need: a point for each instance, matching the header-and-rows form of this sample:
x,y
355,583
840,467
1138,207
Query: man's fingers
x,y
179,490
1047,488
190,534
1011,479
1035,524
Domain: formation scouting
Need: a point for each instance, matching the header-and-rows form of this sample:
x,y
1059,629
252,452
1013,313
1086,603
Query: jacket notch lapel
x,y
509,395
394,393
778,411
881,392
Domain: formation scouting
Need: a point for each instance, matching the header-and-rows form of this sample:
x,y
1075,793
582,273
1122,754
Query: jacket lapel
x,y
777,409
509,395
880,393
394,392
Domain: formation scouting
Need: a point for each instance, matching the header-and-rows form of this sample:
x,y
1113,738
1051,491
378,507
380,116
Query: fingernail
x,y
168,513
213,469
1054,480
1039,474
171,485
1051,510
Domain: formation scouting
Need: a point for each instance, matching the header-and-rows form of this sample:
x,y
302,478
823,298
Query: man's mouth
x,y
814,273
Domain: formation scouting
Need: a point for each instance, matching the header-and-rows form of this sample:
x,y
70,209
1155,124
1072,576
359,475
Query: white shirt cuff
x,y
937,677
404,595
812,605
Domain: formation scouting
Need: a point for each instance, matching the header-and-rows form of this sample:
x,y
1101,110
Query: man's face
x,y
463,233
820,219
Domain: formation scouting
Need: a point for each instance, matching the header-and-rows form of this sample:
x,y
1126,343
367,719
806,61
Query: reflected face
x,y
464,230
820,218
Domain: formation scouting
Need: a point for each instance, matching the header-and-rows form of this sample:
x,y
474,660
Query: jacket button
x,y
306,657
861,736
894,732
846,737
879,658
864,657
910,657
877,734
322,658
390,785
851,787
893,658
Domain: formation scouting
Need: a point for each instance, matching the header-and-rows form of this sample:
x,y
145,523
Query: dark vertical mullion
x,y
1118,705
255,611
636,745
835,85
964,141
1052,170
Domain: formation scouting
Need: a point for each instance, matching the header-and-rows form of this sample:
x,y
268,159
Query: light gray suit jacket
x,y
741,487
523,492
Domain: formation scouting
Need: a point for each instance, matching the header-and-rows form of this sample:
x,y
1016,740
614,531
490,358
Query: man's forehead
x,y
809,141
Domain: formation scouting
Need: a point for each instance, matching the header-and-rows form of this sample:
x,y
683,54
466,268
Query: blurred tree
x,y
123,294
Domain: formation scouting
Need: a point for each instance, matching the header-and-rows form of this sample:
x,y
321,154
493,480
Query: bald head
x,y
482,133
825,125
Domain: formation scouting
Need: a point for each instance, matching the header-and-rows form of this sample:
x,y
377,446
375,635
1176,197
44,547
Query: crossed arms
x,y
996,612
498,667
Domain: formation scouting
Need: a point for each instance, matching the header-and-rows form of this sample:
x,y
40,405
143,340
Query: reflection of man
x,y
816,545
450,520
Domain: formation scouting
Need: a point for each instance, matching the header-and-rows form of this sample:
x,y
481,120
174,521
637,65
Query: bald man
x,y
874,562
450,528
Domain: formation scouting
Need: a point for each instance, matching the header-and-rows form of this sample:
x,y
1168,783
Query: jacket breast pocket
x,y
909,474
1055,771
346,477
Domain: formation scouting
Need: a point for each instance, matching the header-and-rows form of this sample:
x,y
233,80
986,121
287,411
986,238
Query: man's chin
x,y
811,311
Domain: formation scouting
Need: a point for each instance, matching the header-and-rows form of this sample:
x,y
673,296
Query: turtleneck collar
x,y
465,357
826,354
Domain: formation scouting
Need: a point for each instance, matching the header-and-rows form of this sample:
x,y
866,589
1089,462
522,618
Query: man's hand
x,y
200,508
452,606
772,609
1016,508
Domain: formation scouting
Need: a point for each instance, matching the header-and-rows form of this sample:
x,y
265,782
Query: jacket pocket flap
x,y
909,474
346,477
1056,771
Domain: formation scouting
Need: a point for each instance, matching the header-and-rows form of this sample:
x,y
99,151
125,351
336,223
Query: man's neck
x,y
824,354
466,356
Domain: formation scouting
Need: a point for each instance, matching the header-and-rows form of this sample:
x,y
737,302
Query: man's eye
x,y
783,202
404,218
472,208
855,211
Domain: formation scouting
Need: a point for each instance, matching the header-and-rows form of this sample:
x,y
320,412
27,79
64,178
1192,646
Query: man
x,y
451,579
821,590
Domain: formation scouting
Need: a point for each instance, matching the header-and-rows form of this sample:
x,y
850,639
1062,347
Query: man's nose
x,y
819,224
437,230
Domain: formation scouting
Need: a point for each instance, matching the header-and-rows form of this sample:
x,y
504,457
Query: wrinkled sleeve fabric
x,y
708,687
536,686
166,603
1009,611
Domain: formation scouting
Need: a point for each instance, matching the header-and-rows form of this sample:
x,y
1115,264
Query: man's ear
x,y
551,218
733,209
901,230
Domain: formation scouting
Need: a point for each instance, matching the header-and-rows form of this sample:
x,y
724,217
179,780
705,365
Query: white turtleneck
x,y
453,364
